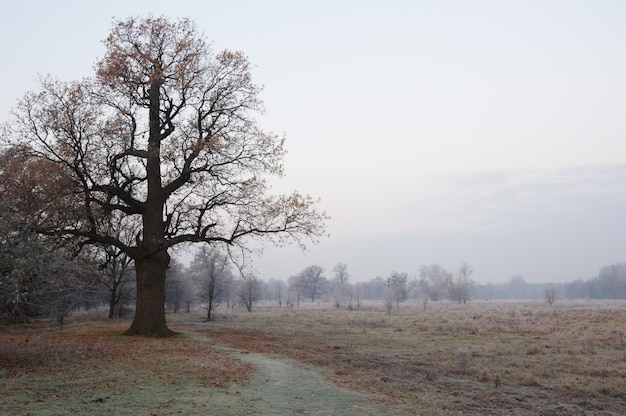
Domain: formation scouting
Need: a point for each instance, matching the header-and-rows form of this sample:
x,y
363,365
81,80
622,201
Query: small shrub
x,y
463,358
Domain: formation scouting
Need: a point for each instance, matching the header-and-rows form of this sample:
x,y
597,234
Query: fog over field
x,y
432,132
552,226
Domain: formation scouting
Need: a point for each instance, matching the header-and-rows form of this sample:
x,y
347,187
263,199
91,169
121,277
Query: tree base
x,y
149,331
167,334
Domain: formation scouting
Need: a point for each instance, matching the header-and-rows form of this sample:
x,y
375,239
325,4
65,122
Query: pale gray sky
x,y
434,131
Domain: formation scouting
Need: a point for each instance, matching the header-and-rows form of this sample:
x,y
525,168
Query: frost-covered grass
x,y
90,369
513,358
479,358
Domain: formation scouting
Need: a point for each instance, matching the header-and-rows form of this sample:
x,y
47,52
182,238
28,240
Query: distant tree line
x,y
610,283
433,283
47,277
43,276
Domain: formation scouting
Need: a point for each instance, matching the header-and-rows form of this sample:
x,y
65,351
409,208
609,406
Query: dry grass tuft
x,y
463,358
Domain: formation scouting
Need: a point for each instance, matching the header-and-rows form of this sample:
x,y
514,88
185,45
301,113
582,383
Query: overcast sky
x,y
491,132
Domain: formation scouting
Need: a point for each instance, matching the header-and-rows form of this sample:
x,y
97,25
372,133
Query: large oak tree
x,y
163,140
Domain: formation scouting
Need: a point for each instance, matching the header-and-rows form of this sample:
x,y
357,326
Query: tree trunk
x,y
149,318
114,299
152,261
209,308
112,303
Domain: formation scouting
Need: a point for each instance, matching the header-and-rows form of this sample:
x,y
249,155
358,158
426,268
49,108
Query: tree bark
x,y
149,318
209,309
152,261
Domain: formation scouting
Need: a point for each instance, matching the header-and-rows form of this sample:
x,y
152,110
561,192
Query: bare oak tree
x,y
164,136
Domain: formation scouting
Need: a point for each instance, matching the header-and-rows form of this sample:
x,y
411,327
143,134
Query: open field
x,y
482,358
522,359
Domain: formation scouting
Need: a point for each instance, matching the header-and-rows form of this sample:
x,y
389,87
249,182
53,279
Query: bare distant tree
x,y
311,282
117,277
294,290
433,281
276,290
341,273
250,290
212,273
397,287
340,284
178,286
460,286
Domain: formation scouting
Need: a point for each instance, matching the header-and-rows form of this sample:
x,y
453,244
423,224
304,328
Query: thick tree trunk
x,y
149,318
152,260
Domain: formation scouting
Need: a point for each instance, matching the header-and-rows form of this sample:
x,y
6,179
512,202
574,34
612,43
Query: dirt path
x,y
285,387
281,387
